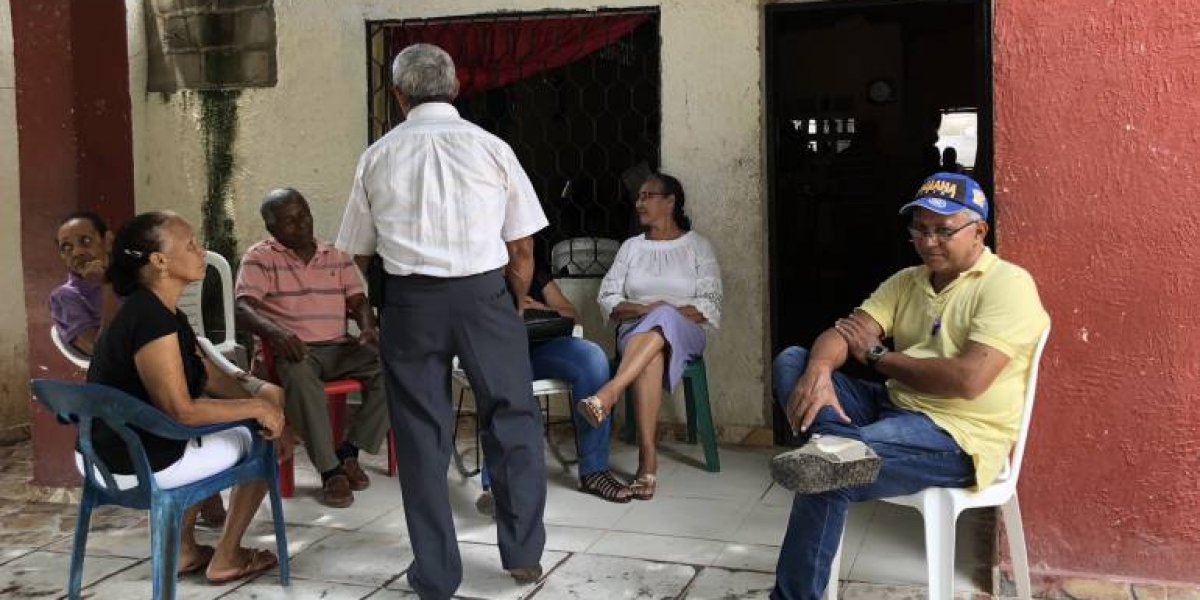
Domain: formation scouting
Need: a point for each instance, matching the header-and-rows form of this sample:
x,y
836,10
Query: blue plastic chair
x,y
83,404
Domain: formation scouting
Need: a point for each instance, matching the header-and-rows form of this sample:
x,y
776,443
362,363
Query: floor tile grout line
x,y
687,587
546,576
684,537
866,532
92,585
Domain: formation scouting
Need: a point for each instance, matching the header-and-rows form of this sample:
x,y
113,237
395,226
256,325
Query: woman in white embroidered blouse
x,y
664,291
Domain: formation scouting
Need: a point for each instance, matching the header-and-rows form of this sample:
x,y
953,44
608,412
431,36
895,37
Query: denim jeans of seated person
x,y
582,364
915,452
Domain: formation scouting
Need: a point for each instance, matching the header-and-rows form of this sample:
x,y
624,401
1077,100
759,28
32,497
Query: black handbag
x,y
542,325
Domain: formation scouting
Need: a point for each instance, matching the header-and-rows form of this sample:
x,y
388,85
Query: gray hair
x,y
424,73
971,215
275,200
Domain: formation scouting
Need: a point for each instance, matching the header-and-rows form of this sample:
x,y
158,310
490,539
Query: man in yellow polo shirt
x,y
964,324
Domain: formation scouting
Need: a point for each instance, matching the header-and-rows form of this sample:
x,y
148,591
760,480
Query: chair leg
x,y
835,570
574,428
82,523
458,457
391,442
698,392
281,547
563,461
337,417
1011,513
629,424
166,518
689,406
940,517
287,478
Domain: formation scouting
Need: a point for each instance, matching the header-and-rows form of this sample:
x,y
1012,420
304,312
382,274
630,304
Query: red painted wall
x,y
76,152
1098,189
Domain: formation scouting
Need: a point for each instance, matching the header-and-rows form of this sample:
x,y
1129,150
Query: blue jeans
x,y
583,364
916,454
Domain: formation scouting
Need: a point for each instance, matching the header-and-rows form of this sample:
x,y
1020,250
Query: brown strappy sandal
x,y
604,485
643,487
592,410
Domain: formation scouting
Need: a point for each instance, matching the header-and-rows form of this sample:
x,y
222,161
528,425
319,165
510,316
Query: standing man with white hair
x,y
450,212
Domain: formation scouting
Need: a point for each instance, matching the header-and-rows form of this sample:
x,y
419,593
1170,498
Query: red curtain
x,y
490,54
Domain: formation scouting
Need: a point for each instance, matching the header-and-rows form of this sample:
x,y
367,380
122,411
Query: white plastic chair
x,y
83,362
940,508
543,389
190,303
68,351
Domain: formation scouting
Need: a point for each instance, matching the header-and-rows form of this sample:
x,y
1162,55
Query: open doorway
x,y
863,99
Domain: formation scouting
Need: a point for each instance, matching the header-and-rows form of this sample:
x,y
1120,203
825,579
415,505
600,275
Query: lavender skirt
x,y
685,339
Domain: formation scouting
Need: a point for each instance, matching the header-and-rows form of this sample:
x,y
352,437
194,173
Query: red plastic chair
x,y
335,392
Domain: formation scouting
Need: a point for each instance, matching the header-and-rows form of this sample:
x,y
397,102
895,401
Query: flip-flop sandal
x,y
260,561
204,556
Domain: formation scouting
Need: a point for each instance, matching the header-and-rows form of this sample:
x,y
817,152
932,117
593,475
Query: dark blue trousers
x,y
425,322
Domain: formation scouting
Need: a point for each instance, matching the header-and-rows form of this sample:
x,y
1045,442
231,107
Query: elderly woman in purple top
x,y
75,306
664,291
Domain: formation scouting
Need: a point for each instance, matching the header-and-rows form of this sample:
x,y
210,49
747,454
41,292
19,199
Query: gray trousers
x,y
305,405
426,321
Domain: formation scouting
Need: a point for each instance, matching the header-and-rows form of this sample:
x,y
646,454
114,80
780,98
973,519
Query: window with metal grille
x,y
576,95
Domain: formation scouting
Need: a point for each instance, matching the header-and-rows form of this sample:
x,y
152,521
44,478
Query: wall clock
x,y
881,90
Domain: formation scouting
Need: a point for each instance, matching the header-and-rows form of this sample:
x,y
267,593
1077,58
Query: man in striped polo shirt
x,y
295,293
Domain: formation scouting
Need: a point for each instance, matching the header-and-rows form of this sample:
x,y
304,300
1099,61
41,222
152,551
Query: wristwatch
x,y
874,353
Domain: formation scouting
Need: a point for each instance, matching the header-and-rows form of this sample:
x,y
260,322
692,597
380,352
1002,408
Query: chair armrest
x,y
200,430
174,430
70,399
223,364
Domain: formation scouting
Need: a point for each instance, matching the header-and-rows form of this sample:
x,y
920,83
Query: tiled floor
x,y
703,536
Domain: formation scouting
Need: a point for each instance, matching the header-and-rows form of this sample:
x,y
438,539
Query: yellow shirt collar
x,y
985,261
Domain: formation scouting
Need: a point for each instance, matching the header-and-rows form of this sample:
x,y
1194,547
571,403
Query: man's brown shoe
x,y
354,472
525,575
336,492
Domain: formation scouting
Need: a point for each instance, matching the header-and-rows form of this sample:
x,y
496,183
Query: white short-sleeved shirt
x,y
439,196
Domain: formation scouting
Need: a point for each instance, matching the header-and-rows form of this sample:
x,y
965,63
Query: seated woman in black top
x,y
150,351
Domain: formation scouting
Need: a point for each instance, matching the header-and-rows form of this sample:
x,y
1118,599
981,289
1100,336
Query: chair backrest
x,y
218,360
68,351
191,300
83,404
1018,452
583,256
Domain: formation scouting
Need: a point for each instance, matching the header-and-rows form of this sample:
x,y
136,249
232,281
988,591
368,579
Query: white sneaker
x,y
826,462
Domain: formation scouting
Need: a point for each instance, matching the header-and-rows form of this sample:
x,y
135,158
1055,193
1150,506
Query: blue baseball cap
x,y
948,193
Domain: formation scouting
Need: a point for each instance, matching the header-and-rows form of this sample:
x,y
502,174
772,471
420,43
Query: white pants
x,y
201,458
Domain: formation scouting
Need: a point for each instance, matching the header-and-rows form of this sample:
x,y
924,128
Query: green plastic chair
x,y
699,414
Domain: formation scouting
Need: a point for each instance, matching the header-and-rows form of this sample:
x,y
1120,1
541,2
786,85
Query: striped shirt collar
x,y
274,244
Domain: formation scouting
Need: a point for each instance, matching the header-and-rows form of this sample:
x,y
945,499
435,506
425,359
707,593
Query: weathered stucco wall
x,y
14,362
1098,164
308,131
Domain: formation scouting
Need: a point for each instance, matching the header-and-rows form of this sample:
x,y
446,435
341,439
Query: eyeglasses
x,y
940,235
644,195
